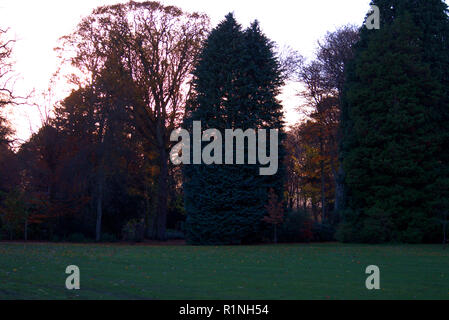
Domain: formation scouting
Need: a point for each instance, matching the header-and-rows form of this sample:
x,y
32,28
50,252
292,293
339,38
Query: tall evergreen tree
x,y
236,83
394,120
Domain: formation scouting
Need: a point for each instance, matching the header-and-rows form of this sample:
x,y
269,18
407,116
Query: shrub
x,y
175,235
306,232
377,226
134,230
323,232
349,229
77,238
345,232
412,235
108,237
292,230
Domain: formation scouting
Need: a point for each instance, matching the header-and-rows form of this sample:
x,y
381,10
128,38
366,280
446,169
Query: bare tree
x,y
334,52
6,69
7,80
6,77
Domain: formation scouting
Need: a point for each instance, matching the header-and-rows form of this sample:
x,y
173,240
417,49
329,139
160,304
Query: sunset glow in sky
x,y
37,26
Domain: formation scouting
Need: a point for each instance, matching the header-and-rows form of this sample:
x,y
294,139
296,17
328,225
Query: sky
x,y
37,26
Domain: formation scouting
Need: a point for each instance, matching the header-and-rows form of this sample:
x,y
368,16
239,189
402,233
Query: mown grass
x,y
315,271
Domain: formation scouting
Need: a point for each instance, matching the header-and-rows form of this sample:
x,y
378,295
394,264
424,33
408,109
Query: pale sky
x,y
37,26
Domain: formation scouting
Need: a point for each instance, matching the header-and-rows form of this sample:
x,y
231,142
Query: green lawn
x,y
316,271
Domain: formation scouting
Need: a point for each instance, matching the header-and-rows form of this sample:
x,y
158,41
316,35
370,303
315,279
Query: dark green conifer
x,y
236,83
394,122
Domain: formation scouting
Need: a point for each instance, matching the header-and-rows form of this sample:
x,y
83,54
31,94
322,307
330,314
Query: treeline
x,y
100,167
369,164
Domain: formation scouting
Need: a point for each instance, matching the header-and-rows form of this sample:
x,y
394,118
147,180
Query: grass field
x,y
316,271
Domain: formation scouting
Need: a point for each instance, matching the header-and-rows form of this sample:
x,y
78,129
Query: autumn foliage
x,y
275,210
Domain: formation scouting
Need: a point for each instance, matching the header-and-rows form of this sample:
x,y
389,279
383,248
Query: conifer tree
x,y
236,83
394,120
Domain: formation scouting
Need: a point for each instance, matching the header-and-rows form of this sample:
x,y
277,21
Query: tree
x,y
236,83
41,162
6,94
6,68
9,176
311,162
323,79
334,54
275,210
100,140
7,77
154,48
14,213
394,125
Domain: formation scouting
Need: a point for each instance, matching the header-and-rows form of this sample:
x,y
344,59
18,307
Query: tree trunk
x,y
340,194
161,219
99,211
298,196
323,194
304,204
315,211
444,233
323,181
26,230
147,225
275,234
